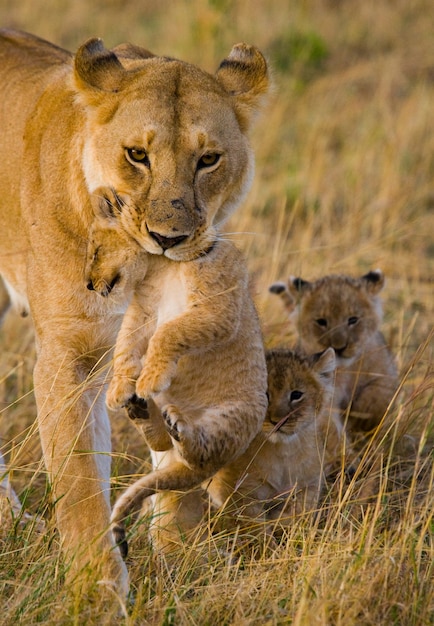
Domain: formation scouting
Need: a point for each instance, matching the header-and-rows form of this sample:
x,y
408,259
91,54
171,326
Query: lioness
x,y
191,341
171,143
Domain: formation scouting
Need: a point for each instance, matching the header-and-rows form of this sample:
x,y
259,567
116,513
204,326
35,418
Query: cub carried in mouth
x,y
345,313
190,341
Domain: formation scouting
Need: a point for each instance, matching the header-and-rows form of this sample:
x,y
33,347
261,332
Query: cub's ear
x,y
107,204
281,290
297,286
97,69
244,75
373,281
278,288
324,363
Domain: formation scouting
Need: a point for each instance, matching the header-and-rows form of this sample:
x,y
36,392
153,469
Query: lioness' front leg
x,y
75,436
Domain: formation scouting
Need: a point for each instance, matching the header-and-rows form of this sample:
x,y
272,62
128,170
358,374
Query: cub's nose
x,y
167,242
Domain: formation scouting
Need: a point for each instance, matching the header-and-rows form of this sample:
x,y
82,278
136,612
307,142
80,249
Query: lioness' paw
x,y
119,392
176,425
152,380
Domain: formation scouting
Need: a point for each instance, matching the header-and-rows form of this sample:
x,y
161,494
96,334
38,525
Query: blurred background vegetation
x,y
344,183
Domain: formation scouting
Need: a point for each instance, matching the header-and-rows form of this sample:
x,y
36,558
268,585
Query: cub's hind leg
x,y
148,420
217,435
175,476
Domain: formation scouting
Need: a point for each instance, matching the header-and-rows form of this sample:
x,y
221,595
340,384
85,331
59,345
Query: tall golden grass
x,y
344,183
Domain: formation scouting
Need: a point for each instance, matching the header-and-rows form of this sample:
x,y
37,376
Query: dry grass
x,y
345,182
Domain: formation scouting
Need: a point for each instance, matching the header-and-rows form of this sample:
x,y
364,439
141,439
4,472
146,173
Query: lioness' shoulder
x,y
32,49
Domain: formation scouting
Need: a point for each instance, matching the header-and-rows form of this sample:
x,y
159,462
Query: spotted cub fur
x,y
190,342
345,313
283,470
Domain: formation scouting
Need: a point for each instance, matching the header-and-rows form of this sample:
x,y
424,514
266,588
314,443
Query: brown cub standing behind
x,y
345,313
191,343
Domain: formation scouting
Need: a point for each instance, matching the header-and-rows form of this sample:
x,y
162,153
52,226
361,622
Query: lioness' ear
x,y
373,281
131,51
244,75
96,68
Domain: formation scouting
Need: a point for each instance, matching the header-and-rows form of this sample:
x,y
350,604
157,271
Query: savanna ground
x,y
344,183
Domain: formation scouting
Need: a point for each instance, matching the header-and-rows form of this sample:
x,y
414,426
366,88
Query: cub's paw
x,y
155,378
120,391
176,425
137,408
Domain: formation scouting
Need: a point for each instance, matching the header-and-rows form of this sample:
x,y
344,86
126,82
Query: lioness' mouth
x,y
167,242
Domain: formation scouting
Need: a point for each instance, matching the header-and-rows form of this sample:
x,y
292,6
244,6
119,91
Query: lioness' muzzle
x,y
167,242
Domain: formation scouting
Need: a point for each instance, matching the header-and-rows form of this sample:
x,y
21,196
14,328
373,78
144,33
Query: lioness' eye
x,y
296,396
352,320
138,155
208,160
321,322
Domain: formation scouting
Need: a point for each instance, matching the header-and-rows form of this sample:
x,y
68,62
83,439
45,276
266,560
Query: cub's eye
x,y
137,155
352,320
321,322
296,396
208,160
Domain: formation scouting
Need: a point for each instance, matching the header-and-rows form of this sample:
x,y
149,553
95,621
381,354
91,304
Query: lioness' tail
x,y
174,477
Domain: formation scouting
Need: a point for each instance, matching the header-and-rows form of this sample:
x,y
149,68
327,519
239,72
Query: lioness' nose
x,y
167,242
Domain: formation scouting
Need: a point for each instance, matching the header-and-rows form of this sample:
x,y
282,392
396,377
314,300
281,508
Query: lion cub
x,y
345,313
298,445
191,342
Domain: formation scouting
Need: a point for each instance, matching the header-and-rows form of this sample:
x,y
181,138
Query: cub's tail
x,y
174,477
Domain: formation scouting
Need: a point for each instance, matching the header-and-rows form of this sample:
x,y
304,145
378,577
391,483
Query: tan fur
x,y
190,341
169,143
283,470
345,313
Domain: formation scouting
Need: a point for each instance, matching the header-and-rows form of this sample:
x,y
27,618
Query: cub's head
x,y
168,141
335,311
115,262
299,389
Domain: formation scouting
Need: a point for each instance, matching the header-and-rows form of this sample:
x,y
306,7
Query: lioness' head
x,y
168,141
335,311
299,389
